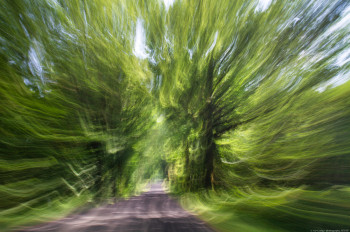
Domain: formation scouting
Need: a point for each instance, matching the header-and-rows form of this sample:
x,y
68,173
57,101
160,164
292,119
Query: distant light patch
x,y
168,4
263,5
213,44
27,82
34,62
339,79
342,23
190,52
140,48
160,119
343,58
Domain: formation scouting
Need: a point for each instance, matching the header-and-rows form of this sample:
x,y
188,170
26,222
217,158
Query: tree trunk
x,y
209,136
209,161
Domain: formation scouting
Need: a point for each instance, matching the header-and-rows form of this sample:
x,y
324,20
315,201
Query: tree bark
x,y
209,136
209,162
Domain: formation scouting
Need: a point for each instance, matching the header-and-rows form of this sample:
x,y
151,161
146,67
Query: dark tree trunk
x,y
188,169
209,136
209,162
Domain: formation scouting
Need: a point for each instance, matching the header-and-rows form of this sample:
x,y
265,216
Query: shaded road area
x,y
152,211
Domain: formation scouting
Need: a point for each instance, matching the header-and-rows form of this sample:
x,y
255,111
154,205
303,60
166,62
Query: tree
x,y
74,101
213,73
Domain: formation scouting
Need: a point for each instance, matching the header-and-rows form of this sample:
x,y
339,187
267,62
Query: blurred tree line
x,y
245,89
228,96
73,104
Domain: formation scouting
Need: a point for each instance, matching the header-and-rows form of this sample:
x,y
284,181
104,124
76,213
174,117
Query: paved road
x,y
151,211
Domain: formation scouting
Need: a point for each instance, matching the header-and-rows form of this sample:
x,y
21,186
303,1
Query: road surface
x,y
152,211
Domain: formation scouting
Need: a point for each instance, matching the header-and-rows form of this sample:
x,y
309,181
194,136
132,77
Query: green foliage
x,y
243,105
250,107
73,104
